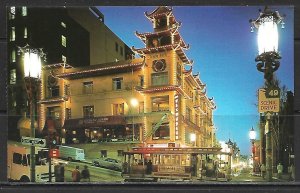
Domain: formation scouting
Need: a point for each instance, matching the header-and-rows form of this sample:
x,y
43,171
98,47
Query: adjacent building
x,y
154,100
71,36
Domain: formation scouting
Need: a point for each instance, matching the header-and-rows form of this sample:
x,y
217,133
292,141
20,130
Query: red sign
x,y
54,153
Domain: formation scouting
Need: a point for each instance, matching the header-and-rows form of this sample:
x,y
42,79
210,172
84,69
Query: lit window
x,y
64,41
88,111
13,76
64,58
88,87
13,56
67,90
12,12
160,103
141,107
118,109
117,83
74,132
25,32
24,11
13,34
63,24
163,131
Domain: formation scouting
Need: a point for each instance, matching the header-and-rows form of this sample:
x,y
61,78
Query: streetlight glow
x,y
252,134
32,65
134,102
267,37
193,137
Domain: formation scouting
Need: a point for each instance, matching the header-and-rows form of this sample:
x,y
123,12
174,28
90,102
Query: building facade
x,y
64,37
155,100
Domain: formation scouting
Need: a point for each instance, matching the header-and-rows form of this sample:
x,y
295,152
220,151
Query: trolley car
x,y
175,163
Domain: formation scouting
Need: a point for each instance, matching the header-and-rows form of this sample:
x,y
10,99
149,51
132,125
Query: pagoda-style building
x,y
153,101
177,110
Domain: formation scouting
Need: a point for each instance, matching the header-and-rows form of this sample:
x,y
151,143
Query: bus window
x,y
17,158
24,160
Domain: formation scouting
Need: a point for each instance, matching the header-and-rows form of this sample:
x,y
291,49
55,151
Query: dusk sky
x,y
223,50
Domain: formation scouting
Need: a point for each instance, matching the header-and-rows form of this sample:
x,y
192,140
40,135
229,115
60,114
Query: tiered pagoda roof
x,y
170,30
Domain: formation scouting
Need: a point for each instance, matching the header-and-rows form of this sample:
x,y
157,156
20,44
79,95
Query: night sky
x,y
223,50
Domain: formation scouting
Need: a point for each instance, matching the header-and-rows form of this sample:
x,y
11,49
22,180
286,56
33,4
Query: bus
x,y
175,163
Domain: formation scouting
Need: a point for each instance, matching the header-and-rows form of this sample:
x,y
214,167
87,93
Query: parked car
x,y
108,163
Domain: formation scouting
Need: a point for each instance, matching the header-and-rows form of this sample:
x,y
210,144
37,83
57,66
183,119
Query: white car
x,y
108,163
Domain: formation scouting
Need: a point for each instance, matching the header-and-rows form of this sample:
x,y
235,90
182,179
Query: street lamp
x,y
134,103
32,75
252,136
268,62
193,138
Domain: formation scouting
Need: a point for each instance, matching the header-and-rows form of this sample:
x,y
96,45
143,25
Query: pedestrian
x,y
149,167
291,171
76,174
279,170
85,174
263,170
59,173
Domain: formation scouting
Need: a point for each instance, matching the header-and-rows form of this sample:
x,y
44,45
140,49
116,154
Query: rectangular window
x,y
120,153
88,87
163,132
12,13
118,109
121,51
24,11
13,56
117,83
25,32
159,79
63,24
141,81
88,111
67,90
17,158
54,112
63,41
13,34
160,103
188,114
74,132
103,153
117,47
68,113
13,76
141,107
54,91
64,58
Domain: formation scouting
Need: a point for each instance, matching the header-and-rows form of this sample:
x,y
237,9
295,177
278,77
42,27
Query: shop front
x,y
100,129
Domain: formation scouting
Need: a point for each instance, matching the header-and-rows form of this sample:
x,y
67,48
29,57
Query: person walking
x,y
291,171
85,174
263,170
149,167
59,173
76,174
279,170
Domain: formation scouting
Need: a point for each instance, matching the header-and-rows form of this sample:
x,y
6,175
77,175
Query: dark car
x,y
108,163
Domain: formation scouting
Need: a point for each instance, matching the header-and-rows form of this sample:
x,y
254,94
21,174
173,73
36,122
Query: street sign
x,y
273,92
37,142
54,153
268,104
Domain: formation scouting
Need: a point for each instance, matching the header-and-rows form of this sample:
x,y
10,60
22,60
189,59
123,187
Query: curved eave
x,y
159,11
99,71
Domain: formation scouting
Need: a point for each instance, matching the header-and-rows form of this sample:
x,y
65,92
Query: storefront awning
x,y
94,122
